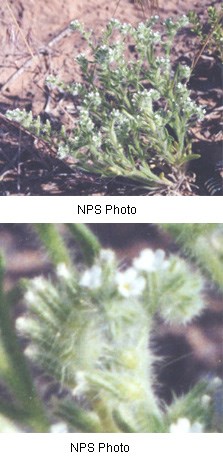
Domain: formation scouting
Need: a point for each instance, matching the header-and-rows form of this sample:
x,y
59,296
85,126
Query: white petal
x,y
197,427
107,255
60,427
145,261
129,283
92,278
63,271
181,426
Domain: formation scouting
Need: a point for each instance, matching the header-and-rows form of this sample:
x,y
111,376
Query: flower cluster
x,y
153,282
89,329
151,275
172,27
143,100
129,282
93,98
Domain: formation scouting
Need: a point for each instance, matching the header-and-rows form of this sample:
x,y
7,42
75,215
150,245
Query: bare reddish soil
x,y
35,42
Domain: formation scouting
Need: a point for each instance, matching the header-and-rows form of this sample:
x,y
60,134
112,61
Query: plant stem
x,y
22,381
200,249
89,244
102,410
209,36
53,242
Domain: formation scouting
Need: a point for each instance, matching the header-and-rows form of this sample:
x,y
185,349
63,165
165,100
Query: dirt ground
x,y
186,353
35,42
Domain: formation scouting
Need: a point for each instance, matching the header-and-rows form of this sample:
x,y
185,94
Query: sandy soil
x,y
47,46
36,41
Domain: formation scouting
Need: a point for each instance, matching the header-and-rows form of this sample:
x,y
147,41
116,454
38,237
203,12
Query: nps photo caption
x,y
81,447
106,209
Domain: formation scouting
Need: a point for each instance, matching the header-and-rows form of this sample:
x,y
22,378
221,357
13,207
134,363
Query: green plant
x,y
206,248
88,328
21,403
133,115
213,39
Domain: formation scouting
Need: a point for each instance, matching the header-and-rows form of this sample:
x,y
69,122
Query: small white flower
x,y
183,21
184,71
183,425
107,256
115,113
76,89
81,56
24,325
92,278
63,151
63,271
215,383
82,385
149,261
205,401
75,25
125,28
60,427
197,427
155,36
39,284
7,426
114,22
129,283
31,351
30,297
96,140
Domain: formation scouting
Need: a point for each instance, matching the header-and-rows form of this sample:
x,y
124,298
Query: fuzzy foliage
x,y
87,328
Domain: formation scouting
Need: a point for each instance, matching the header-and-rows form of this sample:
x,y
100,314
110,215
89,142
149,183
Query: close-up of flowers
x,y
88,326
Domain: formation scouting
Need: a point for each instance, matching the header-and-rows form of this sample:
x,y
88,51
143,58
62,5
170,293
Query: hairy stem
x,y
22,381
53,242
89,244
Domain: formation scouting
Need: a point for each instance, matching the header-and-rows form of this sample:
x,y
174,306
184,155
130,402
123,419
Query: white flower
x,y
92,98
184,71
63,271
96,140
205,401
60,427
126,28
114,22
30,297
129,283
75,25
183,425
92,278
39,284
76,89
149,261
31,351
183,21
63,151
82,385
107,256
24,325
215,383
7,426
